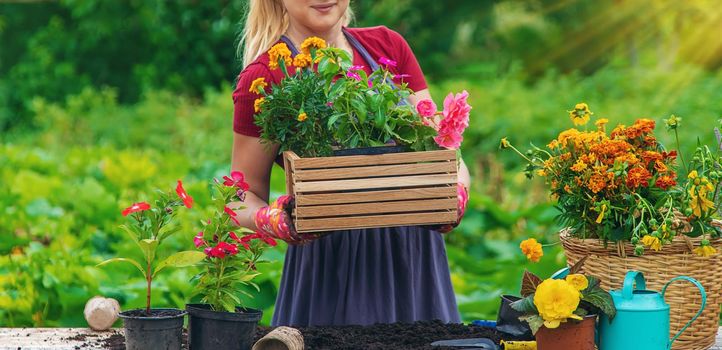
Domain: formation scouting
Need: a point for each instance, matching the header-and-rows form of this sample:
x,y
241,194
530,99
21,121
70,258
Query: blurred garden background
x,y
103,101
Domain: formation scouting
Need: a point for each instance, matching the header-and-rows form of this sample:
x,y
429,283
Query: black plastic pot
x,y
508,321
216,330
365,151
162,330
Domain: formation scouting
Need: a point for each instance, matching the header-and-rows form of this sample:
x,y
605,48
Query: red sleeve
x,y
407,63
243,99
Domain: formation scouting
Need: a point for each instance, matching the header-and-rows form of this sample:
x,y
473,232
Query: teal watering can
x,y
642,321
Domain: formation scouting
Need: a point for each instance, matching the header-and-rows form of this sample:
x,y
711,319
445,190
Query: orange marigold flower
x,y
554,144
650,156
532,249
660,166
277,53
601,123
567,188
666,181
618,132
646,126
302,60
312,42
638,176
258,85
565,135
258,103
597,183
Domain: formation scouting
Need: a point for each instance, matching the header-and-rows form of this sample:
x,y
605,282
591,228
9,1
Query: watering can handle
x,y
704,302
628,286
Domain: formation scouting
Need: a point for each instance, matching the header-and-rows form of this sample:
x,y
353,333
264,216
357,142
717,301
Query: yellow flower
x,y
652,242
705,251
698,201
601,123
554,144
579,166
532,249
257,104
578,281
556,301
541,172
258,85
302,116
302,60
312,42
504,143
580,114
277,53
601,214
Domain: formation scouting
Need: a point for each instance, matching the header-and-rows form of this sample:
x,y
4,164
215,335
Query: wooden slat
x,y
376,208
288,159
376,196
376,171
316,225
381,182
381,159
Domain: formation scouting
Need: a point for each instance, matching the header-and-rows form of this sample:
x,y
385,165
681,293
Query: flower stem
x,y
148,278
679,148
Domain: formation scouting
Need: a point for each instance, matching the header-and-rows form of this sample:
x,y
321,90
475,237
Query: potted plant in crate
x,y
148,227
325,107
628,204
562,313
231,255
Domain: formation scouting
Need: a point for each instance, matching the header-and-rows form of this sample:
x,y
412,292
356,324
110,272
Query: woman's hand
x,y
275,220
462,200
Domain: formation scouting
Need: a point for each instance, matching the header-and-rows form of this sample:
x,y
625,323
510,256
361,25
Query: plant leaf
x,y
131,261
601,299
148,247
180,259
578,266
535,322
529,282
525,305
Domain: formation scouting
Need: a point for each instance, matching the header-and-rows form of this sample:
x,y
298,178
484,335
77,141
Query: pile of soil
x,y
417,336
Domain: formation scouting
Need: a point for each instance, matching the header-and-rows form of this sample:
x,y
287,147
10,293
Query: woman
x,y
348,277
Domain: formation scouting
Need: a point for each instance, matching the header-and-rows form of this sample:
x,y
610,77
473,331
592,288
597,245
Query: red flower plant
x,y
187,200
233,215
136,207
236,180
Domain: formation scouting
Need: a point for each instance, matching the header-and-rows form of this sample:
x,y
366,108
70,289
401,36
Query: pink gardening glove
x,y
463,199
275,220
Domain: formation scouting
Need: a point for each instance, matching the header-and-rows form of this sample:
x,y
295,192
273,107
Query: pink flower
x,y
187,200
353,75
233,215
355,68
239,240
136,207
402,76
387,62
216,252
198,240
456,111
230,249
426,108
449,138
330,104
237,179
371,84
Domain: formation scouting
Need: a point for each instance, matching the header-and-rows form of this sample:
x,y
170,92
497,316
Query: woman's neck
x,y
334,36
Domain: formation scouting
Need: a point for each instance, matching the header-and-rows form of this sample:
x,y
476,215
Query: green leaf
x,y
525,305
535,322
130,232
167,232
602,300
148,246
180,259
360,109
131,261
529,282
249,277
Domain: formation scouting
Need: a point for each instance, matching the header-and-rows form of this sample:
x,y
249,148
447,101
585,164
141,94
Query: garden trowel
x,y
472,343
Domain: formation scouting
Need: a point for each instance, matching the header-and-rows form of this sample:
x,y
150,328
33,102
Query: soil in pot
x,y
577,335
369,150
161,330
215,330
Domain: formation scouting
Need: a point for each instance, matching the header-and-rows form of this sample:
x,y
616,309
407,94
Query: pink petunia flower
x,y
387,62
356,68
187,200
136,207
353,75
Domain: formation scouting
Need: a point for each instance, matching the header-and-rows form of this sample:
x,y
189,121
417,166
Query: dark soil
x,y
417,336
153,313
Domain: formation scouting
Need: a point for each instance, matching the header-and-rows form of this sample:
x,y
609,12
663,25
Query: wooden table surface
x,y
71,338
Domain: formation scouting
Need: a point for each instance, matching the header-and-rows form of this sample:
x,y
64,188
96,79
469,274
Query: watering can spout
x,y
642,312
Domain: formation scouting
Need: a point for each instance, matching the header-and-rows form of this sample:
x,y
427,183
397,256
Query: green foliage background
x,y
103,101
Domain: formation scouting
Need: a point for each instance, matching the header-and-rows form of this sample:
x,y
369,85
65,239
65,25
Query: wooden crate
x,y
352,192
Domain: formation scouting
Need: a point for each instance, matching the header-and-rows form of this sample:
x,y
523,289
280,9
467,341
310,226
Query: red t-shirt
x,y
378,41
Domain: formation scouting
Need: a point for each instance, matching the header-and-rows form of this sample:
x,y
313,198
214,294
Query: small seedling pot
x,y
577,335
216,330
161,330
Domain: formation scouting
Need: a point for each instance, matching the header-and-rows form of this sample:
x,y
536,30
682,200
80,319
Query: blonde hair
x,y
266,21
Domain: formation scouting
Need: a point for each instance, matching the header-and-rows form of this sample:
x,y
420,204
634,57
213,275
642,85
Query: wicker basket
x,y
611,263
